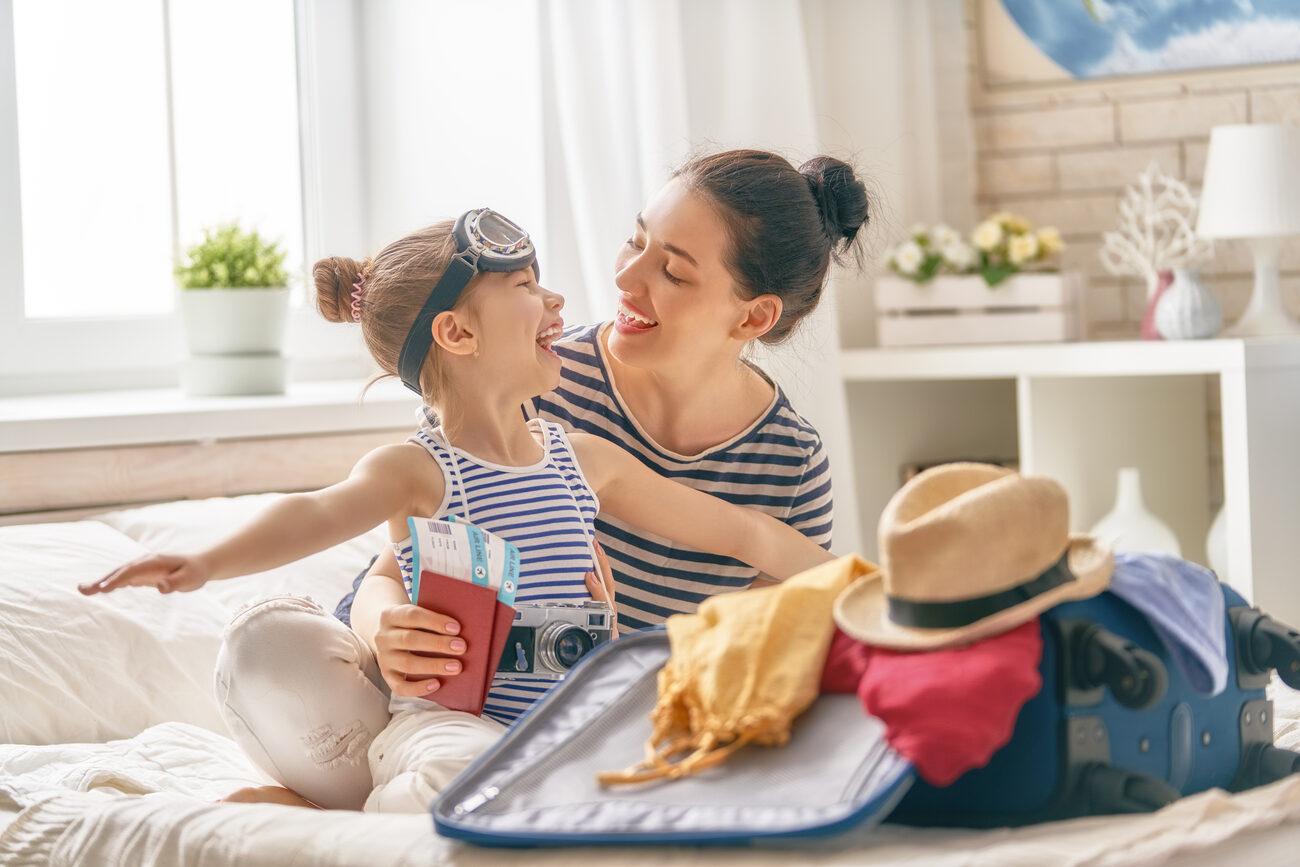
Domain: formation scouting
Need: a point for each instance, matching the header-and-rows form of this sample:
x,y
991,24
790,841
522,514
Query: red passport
x,y
484,624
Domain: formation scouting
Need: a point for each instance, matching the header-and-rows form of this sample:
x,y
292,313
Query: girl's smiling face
x,y
676,298
517,320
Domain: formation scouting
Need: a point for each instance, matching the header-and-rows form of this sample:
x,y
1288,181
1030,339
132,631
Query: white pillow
x,y
89,669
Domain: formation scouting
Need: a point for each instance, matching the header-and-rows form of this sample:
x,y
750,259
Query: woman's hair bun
x,y
841,197
334,277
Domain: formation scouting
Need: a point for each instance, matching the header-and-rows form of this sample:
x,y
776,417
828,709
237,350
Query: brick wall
x,y
1062,155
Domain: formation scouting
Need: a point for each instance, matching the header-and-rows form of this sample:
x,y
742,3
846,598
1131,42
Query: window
x,y
125,129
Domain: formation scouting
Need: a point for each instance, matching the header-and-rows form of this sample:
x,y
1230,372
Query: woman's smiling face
x,y
676,298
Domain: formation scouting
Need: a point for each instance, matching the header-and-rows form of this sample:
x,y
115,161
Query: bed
x,y
112,751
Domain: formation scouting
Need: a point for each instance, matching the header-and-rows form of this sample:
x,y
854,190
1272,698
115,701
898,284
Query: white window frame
x,y
76,355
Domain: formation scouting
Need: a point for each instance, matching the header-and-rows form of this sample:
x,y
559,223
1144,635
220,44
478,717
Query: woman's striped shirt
x,y
546,510
777,465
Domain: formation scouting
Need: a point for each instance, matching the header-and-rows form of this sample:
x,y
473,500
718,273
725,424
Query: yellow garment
x,y
741,670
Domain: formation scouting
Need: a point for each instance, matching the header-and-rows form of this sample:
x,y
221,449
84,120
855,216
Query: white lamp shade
x,y
1252,182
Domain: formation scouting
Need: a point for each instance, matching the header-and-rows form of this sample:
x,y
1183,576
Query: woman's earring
x,y
476,353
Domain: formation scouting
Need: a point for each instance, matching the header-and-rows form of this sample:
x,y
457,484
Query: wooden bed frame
x,y
66,485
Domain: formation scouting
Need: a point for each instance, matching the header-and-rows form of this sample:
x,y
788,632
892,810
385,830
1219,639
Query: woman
x,y
735,248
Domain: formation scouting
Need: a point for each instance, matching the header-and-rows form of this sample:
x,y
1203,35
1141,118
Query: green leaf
x,y
928,268
995,274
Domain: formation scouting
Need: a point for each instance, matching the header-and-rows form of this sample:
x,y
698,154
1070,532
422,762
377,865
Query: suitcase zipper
x,y
478,799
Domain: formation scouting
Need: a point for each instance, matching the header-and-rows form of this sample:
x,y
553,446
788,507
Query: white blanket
x,y
113,751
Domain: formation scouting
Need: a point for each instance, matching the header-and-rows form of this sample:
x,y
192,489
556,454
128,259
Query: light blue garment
x,y
1186,609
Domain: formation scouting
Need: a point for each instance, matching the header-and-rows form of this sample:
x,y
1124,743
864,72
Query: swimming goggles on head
x,y
485,241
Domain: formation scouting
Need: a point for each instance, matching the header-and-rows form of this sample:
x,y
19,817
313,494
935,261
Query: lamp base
x,y
1265,315
1264,323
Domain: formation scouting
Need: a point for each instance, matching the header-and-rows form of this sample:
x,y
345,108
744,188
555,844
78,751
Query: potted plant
x,y
998,285
234,303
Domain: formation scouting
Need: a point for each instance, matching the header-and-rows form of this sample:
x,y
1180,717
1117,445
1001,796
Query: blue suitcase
x,y
1117,729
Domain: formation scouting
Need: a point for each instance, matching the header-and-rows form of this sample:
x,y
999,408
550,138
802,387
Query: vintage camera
x,y
547,640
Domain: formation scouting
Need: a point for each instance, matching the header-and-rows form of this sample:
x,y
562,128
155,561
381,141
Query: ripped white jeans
x,y
303,697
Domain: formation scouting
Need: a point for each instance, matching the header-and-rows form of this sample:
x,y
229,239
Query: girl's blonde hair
x,y
394,285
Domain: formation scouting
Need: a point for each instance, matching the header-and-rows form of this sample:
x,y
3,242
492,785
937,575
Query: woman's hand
x,y
600,585
406,633
167,572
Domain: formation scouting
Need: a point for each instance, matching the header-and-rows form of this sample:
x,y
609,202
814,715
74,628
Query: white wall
x,y
891,83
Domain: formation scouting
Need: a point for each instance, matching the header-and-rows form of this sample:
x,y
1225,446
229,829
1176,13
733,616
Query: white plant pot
x,y
1024,308
236,341
232,321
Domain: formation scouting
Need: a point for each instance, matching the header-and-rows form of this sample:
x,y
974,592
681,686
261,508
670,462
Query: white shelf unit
x,y
1079,411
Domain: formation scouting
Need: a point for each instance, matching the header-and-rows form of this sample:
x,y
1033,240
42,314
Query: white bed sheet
x,y
113,752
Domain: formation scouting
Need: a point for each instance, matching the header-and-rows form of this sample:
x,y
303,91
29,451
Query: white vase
x,y
1216,544
1129,526
1187,310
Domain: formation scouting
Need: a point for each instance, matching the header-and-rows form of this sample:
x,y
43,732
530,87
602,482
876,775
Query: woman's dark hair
x,y
785,224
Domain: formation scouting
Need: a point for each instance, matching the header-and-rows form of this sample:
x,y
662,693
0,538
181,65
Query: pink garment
x,y
946,711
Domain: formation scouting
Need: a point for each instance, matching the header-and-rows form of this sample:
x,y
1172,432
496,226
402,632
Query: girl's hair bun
x,y
334,277
841,197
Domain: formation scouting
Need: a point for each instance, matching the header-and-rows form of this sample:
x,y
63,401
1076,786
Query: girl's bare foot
x,y
267,795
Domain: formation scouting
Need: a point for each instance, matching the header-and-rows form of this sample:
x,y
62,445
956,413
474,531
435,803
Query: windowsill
x,y
122,418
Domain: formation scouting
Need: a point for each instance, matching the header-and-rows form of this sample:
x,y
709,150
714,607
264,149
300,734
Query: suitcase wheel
x,y
1109,789
1136,677
1268,764
1263,643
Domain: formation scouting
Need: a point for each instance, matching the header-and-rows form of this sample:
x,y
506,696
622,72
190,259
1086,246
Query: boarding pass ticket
x,y
463,551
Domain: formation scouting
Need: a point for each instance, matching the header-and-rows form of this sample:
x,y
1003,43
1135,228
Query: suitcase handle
x,y
1136,677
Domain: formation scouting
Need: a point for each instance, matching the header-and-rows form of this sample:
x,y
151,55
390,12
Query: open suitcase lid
x,y
537,785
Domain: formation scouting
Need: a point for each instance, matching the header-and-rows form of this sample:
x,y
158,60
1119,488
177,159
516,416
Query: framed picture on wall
x,y
1025,42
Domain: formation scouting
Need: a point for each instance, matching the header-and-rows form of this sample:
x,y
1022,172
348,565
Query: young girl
x,y
456,311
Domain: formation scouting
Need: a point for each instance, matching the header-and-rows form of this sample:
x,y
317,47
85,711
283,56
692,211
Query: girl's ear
x,y
761,315
454,333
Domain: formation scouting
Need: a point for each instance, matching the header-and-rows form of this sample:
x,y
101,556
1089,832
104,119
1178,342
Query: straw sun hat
x,y
968,551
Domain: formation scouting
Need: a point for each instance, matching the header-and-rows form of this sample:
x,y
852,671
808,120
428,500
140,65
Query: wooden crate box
x,y
1024,308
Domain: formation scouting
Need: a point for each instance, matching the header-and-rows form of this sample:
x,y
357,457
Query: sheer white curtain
x,y
630,87
615,112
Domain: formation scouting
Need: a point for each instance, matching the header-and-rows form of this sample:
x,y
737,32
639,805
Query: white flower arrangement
x,y
999,246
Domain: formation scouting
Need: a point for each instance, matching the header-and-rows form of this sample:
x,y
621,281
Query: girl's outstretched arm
x,y
383,486
632,492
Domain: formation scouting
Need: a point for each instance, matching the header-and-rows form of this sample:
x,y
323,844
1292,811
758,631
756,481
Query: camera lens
x,y
561,645
570,648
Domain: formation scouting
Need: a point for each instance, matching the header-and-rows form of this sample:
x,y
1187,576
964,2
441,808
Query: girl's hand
x,y
601,586
406,632
167,572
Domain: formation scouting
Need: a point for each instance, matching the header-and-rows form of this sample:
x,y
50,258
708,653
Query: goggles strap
x,y
443,297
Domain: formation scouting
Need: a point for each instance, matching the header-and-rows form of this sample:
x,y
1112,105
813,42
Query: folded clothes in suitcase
x,y
537,785
1117,728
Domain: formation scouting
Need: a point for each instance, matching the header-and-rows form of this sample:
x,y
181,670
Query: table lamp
x,y
1252,192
